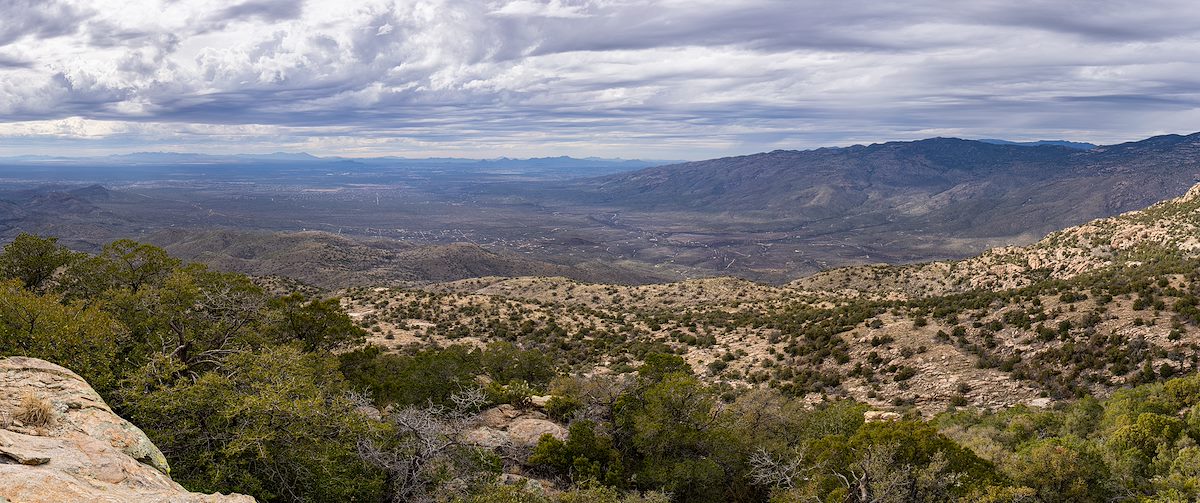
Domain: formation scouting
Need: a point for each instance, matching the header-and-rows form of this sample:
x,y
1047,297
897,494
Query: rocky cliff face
x,y
59,442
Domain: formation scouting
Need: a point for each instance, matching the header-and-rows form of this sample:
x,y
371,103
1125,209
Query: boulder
x,y
526,432
505,425
85,452
1040,403
875,416
499,416
486,437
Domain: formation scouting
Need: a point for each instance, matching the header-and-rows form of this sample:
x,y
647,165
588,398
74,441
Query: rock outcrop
x,y
506,425
880,416
80,450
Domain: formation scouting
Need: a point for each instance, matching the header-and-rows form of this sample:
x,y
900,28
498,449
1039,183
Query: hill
x,y
1171,226
921,181
1086,310
330,261
768,217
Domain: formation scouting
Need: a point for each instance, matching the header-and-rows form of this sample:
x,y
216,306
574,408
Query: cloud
x,y
652,78
11,61
535,8
264,10
39,19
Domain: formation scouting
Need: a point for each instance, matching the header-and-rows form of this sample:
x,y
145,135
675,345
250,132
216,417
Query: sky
x,y
666,79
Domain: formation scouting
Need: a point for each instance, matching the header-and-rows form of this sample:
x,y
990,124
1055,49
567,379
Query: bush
x,y
516,393
35,411
276,424
81,338
904,373
561,408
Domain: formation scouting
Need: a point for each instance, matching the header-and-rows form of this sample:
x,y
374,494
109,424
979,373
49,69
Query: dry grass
x,y
35,411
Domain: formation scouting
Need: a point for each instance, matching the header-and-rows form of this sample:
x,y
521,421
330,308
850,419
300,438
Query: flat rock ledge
x,y
85,453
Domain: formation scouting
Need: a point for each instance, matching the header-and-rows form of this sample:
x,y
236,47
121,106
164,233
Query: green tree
x,y
317,324
677,438
123,264
585,456
275,424
79,338
427,376
910,461
34,259
196,316
1061,470
505,363
656,366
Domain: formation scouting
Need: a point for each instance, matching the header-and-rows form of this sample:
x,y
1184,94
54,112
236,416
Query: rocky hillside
x,y
1128,239
1087,310
59,442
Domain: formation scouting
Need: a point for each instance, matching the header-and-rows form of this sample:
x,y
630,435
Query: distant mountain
x,y
292,157
952,186
1041,143
289,168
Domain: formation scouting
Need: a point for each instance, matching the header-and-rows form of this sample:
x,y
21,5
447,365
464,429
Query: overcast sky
x,y
669,79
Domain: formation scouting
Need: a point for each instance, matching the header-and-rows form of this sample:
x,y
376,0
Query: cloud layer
x,y
666,78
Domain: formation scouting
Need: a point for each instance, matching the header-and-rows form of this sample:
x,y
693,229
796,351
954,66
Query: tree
x,y
317,324
1061,470
277,424
908,461
196,316
678,438
34,259
121,264
656,366
428,376
79,338
505,363
586,456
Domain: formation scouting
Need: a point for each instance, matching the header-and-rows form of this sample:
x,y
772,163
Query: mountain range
x,y
1039,143
1003,351
772,216
888,202
926,181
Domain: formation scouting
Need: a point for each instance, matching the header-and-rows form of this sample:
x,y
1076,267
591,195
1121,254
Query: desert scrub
x,y
35,411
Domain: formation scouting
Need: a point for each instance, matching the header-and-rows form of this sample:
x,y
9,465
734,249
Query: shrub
x,y
561,408
904,373
35,411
